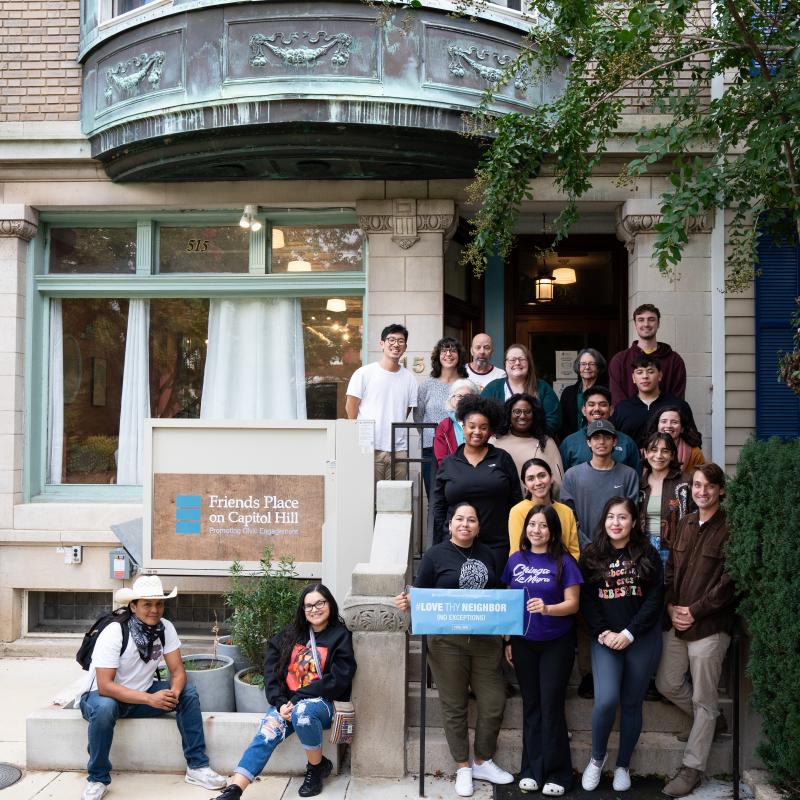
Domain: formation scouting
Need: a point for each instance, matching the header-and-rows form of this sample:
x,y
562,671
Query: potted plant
x,y
262,602
212,676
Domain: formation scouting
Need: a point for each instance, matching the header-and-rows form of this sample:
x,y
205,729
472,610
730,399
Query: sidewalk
x,y
29,684
33,683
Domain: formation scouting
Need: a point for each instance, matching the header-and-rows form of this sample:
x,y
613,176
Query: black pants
x,y
543,670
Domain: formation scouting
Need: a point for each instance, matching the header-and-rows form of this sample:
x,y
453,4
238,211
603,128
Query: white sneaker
x,y
553,789
592,773
464,782
205,777
94,790
528,785
622,779
489,771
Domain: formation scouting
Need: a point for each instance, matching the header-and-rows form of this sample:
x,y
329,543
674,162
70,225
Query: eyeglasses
x,y
521,412
517,360
449,350
460,395
318,606
394,340
587,364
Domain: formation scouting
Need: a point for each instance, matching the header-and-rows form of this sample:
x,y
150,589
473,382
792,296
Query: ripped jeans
x,y
309,718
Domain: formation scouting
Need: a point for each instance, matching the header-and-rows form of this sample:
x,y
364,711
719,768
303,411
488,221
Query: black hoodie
x,y
335,650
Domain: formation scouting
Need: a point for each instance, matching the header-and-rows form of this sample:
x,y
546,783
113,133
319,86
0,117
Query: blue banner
x,y
479,612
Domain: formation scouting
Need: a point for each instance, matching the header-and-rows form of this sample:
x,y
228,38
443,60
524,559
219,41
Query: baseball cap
x,y
600,426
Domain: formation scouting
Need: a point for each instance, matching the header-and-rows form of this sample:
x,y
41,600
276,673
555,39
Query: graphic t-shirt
x,y
302,670
447,566
621,579
536,574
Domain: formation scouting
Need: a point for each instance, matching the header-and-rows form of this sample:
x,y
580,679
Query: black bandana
x,y
147,638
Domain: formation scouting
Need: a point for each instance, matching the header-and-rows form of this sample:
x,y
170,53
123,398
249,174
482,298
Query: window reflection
x,y
318,248
90,251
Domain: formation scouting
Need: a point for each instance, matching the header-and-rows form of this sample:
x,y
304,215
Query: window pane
x,y
317,248
94,352
332,353
178,334
92,250
224,248
122,6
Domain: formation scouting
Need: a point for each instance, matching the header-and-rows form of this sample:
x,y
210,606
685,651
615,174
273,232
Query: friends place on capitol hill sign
x,y
232,517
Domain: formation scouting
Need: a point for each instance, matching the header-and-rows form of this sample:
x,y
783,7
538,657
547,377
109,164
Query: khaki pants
x,y
700,699
383,466
458,662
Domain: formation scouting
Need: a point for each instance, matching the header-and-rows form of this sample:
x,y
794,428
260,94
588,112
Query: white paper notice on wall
x,y
366,434
564,361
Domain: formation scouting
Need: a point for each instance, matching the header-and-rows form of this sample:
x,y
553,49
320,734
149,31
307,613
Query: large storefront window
x,y
255,350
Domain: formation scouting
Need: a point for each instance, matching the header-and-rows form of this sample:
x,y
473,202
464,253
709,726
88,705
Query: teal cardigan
x,y
552,408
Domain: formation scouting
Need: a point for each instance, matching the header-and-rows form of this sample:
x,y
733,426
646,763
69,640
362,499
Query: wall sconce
x,y
336,304
277,239
249,218
544,288
564,276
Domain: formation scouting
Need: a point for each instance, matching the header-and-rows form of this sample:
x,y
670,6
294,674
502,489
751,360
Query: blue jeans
x,y
621,678
309,718
102,714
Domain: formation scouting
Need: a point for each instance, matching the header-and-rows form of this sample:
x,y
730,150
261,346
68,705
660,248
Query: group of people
x,y
307,667
616,536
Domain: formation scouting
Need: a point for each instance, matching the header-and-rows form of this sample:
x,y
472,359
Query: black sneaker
x,y
230,792
586,687
315,774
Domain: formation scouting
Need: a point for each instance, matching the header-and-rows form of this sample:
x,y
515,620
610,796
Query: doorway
x,y
586,306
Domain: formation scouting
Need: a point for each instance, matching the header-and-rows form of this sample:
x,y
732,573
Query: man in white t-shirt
x,y
385,392
121,685
481,370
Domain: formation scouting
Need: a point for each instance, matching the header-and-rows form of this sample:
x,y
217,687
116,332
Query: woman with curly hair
x,y
622,601
481,474
523,435
674,421
308,665
448,364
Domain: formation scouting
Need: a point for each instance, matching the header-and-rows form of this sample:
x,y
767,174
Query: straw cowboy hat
x,y
145,587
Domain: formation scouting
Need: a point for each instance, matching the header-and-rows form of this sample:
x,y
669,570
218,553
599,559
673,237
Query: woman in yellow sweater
x,y
537,483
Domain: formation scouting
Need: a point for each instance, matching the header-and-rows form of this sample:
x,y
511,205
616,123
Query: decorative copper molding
x,y
299,56
473,57
147,64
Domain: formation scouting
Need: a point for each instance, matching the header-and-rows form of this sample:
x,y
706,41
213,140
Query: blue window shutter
x,y
777,406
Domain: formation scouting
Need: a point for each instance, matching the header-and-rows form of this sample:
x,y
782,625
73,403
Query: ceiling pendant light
x,y
336,304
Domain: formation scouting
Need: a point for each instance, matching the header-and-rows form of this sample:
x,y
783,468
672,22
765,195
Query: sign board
x,y
218,491
476,612
232,517
564,361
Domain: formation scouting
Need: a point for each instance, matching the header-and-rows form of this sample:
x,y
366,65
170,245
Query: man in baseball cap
x,y
121,683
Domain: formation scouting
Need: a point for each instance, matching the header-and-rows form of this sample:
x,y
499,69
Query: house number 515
x,y
197,245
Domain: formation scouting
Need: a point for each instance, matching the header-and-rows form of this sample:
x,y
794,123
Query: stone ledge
x,y
56,740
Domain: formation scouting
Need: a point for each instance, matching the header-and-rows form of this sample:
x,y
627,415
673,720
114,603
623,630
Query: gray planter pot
x,y
225,648
215,686
249,699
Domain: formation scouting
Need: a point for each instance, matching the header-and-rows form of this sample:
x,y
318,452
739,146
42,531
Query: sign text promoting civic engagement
x,y
467,611
232,517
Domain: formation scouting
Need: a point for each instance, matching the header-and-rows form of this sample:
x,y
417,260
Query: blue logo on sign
x,y
187,513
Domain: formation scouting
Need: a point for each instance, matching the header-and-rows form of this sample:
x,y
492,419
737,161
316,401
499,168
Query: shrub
x,y
764,559
263,602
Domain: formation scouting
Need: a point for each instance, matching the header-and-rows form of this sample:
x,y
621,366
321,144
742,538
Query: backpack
x,y
84,654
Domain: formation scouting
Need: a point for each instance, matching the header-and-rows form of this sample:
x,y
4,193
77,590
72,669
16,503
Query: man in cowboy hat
x,y
122,685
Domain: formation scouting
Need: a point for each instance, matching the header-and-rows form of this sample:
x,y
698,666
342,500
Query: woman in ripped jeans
x,y
308,665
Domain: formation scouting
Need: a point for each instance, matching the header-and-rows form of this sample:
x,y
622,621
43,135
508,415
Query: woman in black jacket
x,y
622,601
481,474
308,665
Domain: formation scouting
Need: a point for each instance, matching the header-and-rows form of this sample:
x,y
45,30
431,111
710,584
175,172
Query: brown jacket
x,y
696,576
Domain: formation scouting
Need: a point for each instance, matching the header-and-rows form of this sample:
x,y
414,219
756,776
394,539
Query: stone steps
x,y
656,753
659,717
56,740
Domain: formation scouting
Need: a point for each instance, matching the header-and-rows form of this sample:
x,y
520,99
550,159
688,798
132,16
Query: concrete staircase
x,y
657,753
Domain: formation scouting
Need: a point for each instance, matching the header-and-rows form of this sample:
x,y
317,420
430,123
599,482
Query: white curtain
x,y
255,367
135,394
55,403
